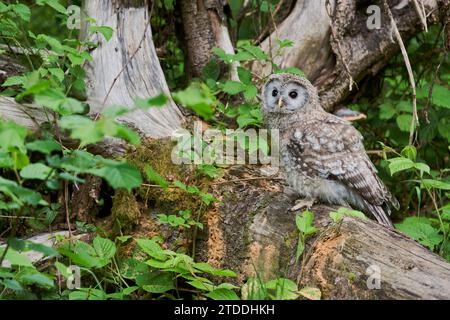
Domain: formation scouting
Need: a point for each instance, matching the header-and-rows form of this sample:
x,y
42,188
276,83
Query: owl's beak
x,y
280,103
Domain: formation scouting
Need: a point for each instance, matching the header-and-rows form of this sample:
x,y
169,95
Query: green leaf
x,y
409,152
22,11
87,294
14,81
155,177
444,128
37,278
436,184
43,146
387,111
151,248
105,249
421,230
157,282
250,92
257,52
36,171
157,101
400,164
336,216
106,31
54,4
404,122
441,96
16,258
211,70
199,98
81,254
121,175
300,248
12,136
233,87
244,75
305,223
222,294
285,289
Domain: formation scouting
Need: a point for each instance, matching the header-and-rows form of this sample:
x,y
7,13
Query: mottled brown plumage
x,y
323,155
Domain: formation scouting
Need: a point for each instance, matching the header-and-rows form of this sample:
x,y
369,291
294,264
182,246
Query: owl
x,y
323,155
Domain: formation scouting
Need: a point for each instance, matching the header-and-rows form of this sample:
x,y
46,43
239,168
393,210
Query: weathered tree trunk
x,y
205,27
254,233
251,230
127,67
335,50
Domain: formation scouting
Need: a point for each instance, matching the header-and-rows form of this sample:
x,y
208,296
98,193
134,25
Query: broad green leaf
x,y
105,249
12,136
152,248
400,164
244,75
305,223
222,294
441,96
409,152
157,282
16,258
121,175
88,294
199,98
43,146
155,177
444,128
336,216
387,111
54,4
404,122
437,184
14,80
285,289
22,11
421,230
257,52
106,31
211,70
36,171
233,87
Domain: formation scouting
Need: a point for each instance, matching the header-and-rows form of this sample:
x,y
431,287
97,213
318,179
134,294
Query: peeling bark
x,y
325,57
126,67
205,27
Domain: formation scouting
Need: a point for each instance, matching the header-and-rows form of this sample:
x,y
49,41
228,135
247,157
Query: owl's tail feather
x,y
381,213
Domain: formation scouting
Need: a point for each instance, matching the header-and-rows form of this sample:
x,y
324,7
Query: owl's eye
x,y
274,92
293,94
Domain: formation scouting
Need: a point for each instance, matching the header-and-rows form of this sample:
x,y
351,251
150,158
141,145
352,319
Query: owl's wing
x,y
332,149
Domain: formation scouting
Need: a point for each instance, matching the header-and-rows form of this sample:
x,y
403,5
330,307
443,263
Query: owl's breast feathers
x,y
328,147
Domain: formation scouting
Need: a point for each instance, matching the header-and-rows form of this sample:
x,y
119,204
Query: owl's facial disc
x,y
294,97
272,95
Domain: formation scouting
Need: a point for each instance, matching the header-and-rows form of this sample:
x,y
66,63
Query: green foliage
x,y
277,289
305,226
337,216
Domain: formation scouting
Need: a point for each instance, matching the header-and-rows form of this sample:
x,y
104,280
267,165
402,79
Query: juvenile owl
x,y
323,155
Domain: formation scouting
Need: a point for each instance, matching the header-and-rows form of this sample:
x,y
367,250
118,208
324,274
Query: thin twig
x,y
415,119
420,9
247,179
66,205
122,70
340,51
16,217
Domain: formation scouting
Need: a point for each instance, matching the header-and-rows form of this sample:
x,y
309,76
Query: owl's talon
x,y
302,204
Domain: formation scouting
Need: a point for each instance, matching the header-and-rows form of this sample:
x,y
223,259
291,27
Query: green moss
x,y
127,208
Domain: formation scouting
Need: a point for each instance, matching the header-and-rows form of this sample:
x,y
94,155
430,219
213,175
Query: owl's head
x,y
287,93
